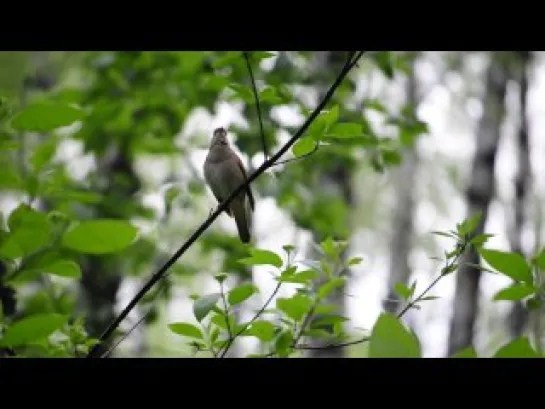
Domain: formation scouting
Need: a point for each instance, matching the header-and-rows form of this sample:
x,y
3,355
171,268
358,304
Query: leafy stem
x,y
226,306
448,268
256,316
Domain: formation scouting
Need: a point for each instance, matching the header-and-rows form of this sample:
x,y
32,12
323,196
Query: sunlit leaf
x,y
519,348
295,307
516,292
100,236
468,352
241,293
390,339
186,329
303,147
262,257
511,264
262,330
32,328
204,305
46,116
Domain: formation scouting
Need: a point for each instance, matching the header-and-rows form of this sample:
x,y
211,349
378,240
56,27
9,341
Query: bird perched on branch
x,y
224,172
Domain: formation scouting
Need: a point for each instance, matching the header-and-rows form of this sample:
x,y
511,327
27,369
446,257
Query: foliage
x,y
66,231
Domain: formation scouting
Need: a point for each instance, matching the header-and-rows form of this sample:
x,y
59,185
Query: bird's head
x,y
219,137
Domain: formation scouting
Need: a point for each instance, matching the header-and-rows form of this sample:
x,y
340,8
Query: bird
x,y
224,172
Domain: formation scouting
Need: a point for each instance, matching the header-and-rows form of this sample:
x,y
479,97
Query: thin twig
x,y
399,315
226,306
125,335
256,316
204,226
256,98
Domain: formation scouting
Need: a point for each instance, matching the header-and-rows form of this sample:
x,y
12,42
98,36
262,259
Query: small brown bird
x,y
224,172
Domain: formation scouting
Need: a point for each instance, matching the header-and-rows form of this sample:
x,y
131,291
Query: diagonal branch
x,y
256,97
353,58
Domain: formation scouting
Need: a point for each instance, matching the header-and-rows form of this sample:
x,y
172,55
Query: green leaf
x,y
540,260
241,293
24,241
220,320
186,329
43,154
429,298
46,116
226,60
328,287
9,178
519,348
375,105
295,307
303,147
243,92
261,55
214,335
390,339
515,292
262,257
100,236
480,239
323,122
534,303
325,308
316,333
445,234
204,305
25,216
269,94
364,140
403,291
220,278
302,277
468,226
262,330
288,248
328,320
468,352
449,269
64,268
284,343
346,130
33,328
384,62
391,157
332,248
355,261
511,264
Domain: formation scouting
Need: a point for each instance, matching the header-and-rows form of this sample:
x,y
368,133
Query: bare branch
x,y
204,226
256,97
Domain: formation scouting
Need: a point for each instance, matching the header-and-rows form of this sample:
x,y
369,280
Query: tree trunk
x,y
519,315
340,177
479,195
402,231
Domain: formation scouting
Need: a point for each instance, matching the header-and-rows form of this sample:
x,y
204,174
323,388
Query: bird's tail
x,y
242,213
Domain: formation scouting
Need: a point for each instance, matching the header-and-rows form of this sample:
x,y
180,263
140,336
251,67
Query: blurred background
x,y
462,133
